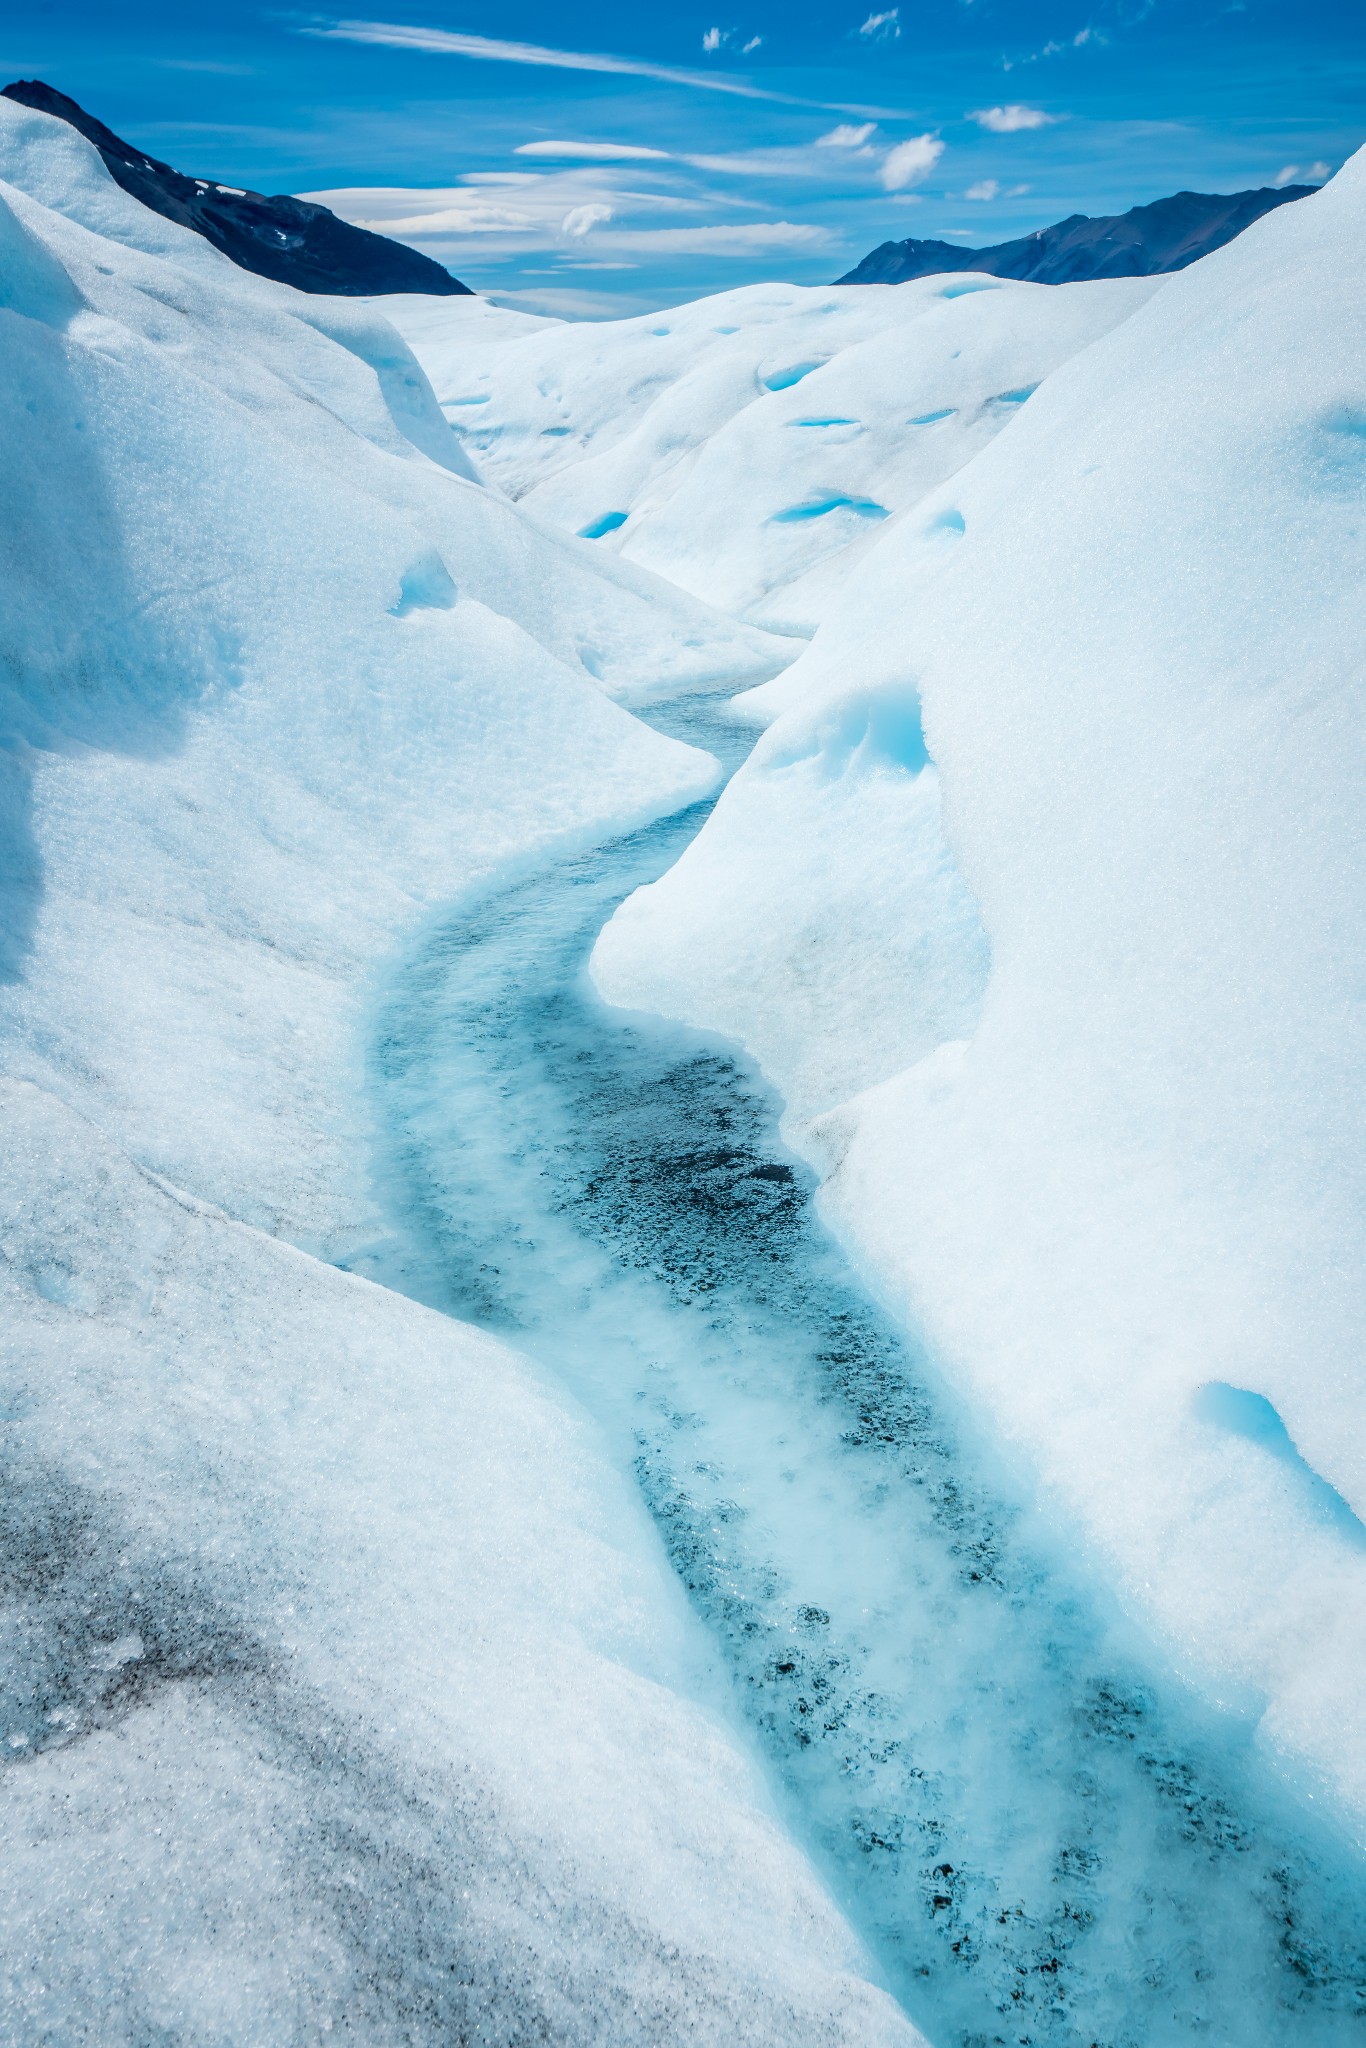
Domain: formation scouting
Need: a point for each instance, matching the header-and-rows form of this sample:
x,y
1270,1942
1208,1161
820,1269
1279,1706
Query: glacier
x,y
681,1211
746,446
346,1688
1089,1112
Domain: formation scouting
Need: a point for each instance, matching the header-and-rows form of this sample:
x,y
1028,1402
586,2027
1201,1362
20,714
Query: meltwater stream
x,y
1039,1842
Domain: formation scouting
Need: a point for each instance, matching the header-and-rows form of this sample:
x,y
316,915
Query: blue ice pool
x,y
1041,1838
829,501
606,522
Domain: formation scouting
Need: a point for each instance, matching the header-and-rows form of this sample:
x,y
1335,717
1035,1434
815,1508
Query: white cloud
x,y
1053,48
985,188
567,213
735,238
882,28
535,207
470,215
1009,120
592,152
715,39
910,161
846,136
580,220
576,303
1303,174
491,49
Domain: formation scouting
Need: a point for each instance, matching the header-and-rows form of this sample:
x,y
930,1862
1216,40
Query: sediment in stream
x,y
1041,1838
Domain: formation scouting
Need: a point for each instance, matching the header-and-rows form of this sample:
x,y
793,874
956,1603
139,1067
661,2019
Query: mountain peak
x,y
290,240
1144,242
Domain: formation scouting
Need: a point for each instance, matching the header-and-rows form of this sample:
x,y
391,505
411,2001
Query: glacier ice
x,y
345,1687
1042,1836
342,1690
685,434
1100,1137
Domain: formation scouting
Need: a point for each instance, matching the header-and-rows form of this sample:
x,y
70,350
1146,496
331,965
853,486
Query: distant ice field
x,y
750,446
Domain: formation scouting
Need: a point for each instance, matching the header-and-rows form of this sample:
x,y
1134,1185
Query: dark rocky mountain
x,y
1167,235
287,239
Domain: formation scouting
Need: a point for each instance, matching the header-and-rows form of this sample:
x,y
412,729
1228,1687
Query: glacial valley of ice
x,y
351,1685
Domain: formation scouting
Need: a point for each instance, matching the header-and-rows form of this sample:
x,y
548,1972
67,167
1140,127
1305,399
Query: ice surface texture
x,y
341,1688
679,439
1045,1839
244,745
1111,1146
345,1691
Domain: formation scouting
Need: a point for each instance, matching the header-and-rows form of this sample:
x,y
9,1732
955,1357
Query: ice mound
x,y
1098,965
344,1686
746,446
277,672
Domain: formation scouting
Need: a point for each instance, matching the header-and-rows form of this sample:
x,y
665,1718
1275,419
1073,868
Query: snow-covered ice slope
x,y
750,446
275,677
1108,1010
344,1688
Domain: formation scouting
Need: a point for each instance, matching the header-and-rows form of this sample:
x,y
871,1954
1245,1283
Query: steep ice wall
x,y
344,1687
1109,1014
751,446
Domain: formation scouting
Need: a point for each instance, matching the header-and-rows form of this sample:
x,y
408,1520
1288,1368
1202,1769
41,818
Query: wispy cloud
x,y
517,213
591,152
910,161
581,220
1303,174
1090,34
715,39
203,64
846,136
442,42
985,188
882,28
1011,119
732,238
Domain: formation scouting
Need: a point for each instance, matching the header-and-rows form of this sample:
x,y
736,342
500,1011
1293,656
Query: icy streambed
x,y
1039,1843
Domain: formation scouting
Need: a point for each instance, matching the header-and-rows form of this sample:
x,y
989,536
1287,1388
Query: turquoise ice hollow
x,y
606,522
831,501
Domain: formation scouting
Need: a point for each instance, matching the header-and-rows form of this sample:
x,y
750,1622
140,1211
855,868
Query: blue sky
x,y
618,158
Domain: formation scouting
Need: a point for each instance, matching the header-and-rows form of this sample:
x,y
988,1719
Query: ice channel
x,y
1041,1840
